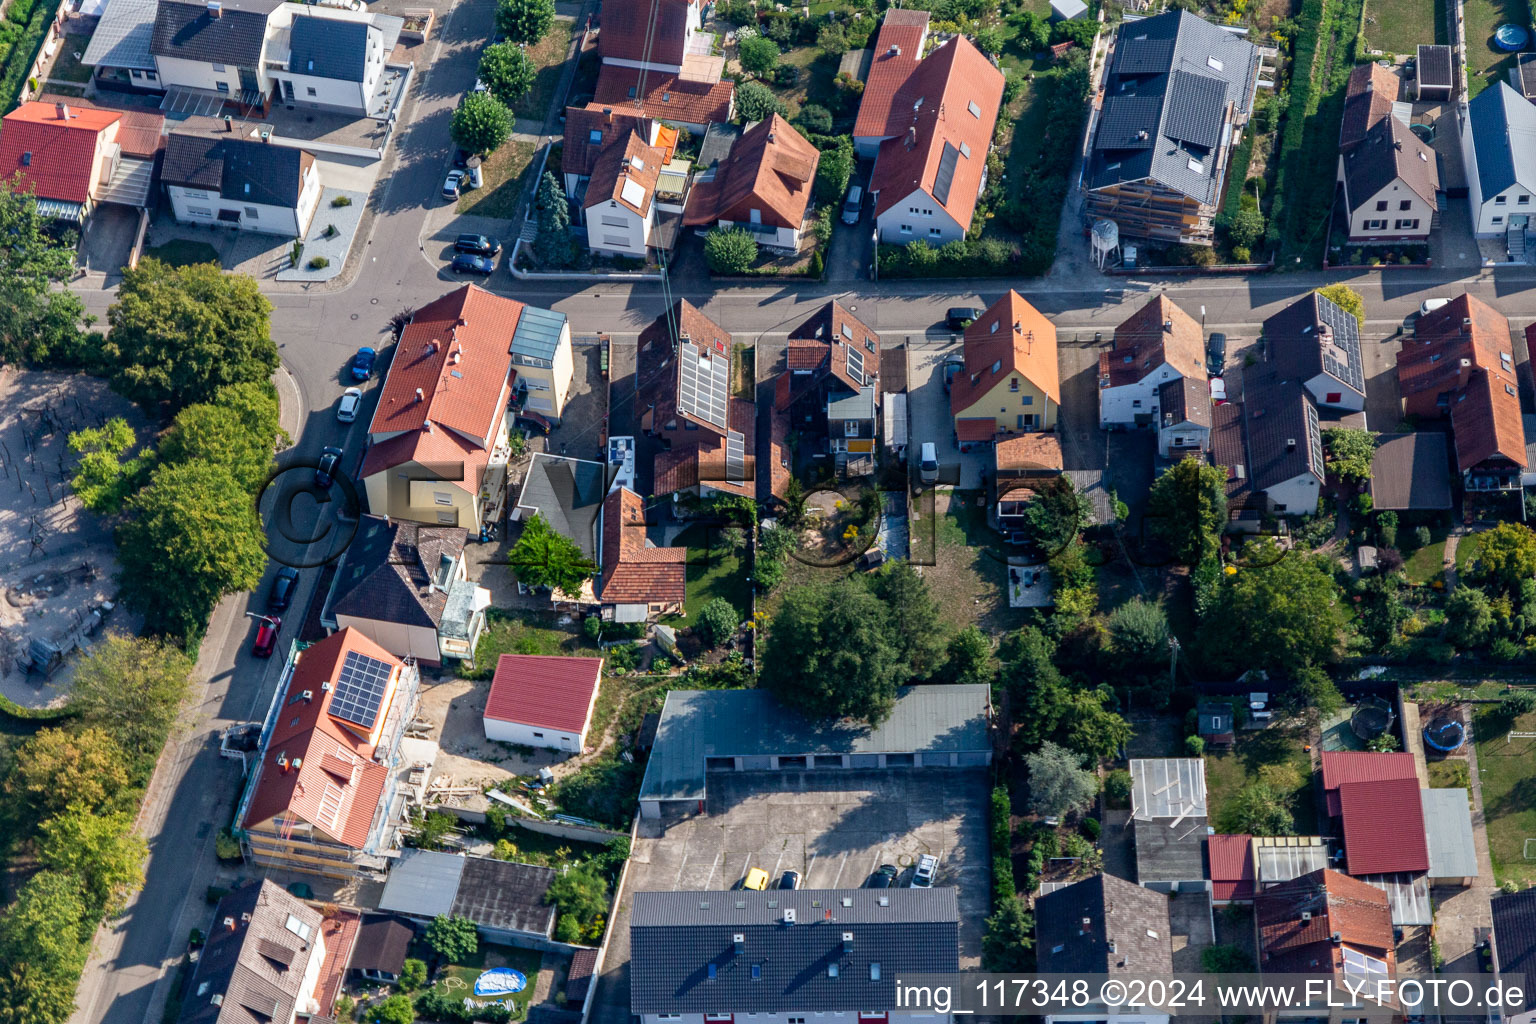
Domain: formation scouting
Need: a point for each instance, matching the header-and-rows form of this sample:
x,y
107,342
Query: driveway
x,y
108,239
929,418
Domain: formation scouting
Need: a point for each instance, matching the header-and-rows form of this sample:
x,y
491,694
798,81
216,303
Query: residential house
x,y
1514,943
680,102
1410,472
382,945
1498,148
216,47
1023,467
119,50
221,180
1104,925
653,36
898,51
506,900
406,587
438,446
1317,343
539,701
1325,922
934,131
685,400
658,60
266,949
1168,812
1461,362
1389,175
619,207
543,362
638,580
72,157
568,493
1433,80
1010,383
764,186
1283,442
1156,344
1368,100
1185,427
323,795
695,957
593,128
1176,96
829,392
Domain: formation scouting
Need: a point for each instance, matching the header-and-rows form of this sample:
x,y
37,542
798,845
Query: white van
x,y
928,464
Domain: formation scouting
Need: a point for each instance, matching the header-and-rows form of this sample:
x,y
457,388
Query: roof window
x,y
1214,64
975,109
1196,166
26,159
595,135
965,150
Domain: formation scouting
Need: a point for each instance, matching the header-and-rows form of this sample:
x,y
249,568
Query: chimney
x,y
1306,915
307,696
738,943
1167,326
1111,945
62,109
1290,444
1466,321
433,346
1087,927
245,918
789,915
1337,938
770,138
215,9
895,50
912,136
608,114
420,395
847,942
1142,136
282,762
229,924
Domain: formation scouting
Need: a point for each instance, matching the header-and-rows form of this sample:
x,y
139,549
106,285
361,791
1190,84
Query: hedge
x,y
1001,830
988,257
11,709
19,61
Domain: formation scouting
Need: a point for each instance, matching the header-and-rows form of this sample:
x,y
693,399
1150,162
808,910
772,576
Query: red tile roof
x,y
633,571
1156,333
332,781
1032,453
904,30
691,465
1447,348
975,429
579,154
1015,337
823,344
1368,99
1232,872
1486,422
770,169
666,97
1341,766
339,932
950,102
1334,903
55,157
543,691
625,161
1383,826
650,31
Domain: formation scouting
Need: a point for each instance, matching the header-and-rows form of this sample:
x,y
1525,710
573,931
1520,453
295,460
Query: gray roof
x,y
1503,127
1434,65
1288,857
1448,832
1166,95
538,333
1514,931
187,30
506,895
328,48
1185,400
569,494
256,967
1284,436
1075,926
397,571
1167,787
422,883
122,37
844,952
1215,719
1389,152
859,406
458,610
1412,471
238,169
697,724
1298,348
382,943
1170,849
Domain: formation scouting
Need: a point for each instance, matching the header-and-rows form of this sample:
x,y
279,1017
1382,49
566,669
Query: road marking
x,y
808,869
840,865
776,863
677,883
711,876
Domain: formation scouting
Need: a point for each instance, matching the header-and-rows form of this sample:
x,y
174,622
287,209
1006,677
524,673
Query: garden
x,y
1487,64
1509,798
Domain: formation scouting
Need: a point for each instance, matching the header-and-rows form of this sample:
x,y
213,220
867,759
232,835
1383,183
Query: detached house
x,y
684,398
1010,383
620,204
1514,942
639,581
829,392
1104,925
220,180
591,129
1389,176
1498,148
652,36
1284,442
1156,345
73,157
763,186
332,59
658,61
216,47
1317,343
1177,94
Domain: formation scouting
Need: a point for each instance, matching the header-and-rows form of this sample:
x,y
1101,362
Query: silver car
x,y
351,398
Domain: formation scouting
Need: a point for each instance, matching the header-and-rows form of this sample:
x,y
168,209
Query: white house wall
x,y
194,74
616,229
528,736
1324,386
563,368
782,238
1394,195
1117,405
329,93
1298,496
1493,218
1169,438
194,206
932,224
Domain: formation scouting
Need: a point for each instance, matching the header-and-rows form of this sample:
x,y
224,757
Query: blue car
x,y
362,363
465,263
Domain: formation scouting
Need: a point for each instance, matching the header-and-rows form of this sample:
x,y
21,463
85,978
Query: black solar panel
x,y
360,689
946,175
1142,56
1341,348
735,456
1128,122
856,364
1195,105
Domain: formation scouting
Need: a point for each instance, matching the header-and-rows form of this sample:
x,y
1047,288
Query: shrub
x,y
319,263
1195,745
226,846
786,76
1091,828
341,201
1421,536
815,119
833,170
1247,227
295,253
754,102
833,39
1117,785
718,621
759,55
730,252
592,628
412,975
1241,254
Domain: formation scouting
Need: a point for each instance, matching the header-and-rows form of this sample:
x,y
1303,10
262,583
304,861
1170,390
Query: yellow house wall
x,y
1005,405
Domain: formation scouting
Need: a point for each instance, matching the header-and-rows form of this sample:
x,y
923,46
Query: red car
x,y
266,637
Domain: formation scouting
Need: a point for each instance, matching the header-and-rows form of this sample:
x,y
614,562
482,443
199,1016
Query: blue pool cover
x,y
500,981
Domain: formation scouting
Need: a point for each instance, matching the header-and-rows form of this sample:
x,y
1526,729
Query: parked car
x,y
1218,391
756,878
922,877
853,206
351,398
329,465
480,85
453,183
465,263
1428,306
461,157
266,636
883,878
959,317
281,594
1216,354
476,245
362,363
789,880
952,365
928,464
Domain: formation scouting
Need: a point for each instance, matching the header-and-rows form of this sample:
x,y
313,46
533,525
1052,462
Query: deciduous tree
x,y
1506,557
759,55
525,21
718,621
1349,452
833,169
916,622
395,1009
453,938
57,767
730,250
1278,610
507,72
581,892
1055,515
99,849
481,123
1187,509
1346,298
103,478
43,949
543,557
829,653
131,689
968,658
239,430
1468,618
1257,809
39,324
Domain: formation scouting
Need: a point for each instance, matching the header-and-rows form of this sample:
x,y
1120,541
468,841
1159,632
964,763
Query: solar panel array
x,y
946,173
855,364
735,456
1342,356
360,689
703,388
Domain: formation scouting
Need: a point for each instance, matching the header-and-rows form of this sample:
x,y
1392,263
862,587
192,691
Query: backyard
x,y
1399,26
457,980
522,633
1427,564
1275,756
67,67
715,569
505,171
963,559
1509,797
1485,64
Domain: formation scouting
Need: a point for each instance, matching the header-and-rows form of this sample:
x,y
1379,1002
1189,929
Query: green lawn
x,y
1508,773
1426,564
1486,65
511,633
1450,773
459,979
1274,755
549,57
1399,26
505,172
67,68
1466,552
714,570
180,252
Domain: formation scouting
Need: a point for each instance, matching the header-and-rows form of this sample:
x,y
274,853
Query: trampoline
x,y
1372,717
500,981
1445,734
1510,38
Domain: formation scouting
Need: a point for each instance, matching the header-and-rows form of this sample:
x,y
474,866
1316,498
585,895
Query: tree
x,y
729,251
916,622
1036,687
102,478
1468,618
193,536
39,325
756,102
1225,960
1312,693
1295,599
1009,938
544,558
1381,612
413,974
832,38
453,938
1079,31
1034,32
968,658
990,40
829,655
240,429
1090,727
57,767
1506,557
579,891
507,71
99,849
525,21
1139,633
1187,509
718,621
1346,298
1349,452
759,55
1517,703
817,119
179,334
1247,227
43,948
1058,783
481,123
396,1009
833,172
552,245
1055,516
131,689
1258,809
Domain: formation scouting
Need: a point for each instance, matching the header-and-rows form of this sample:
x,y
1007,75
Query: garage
x,y
829,760
794,762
